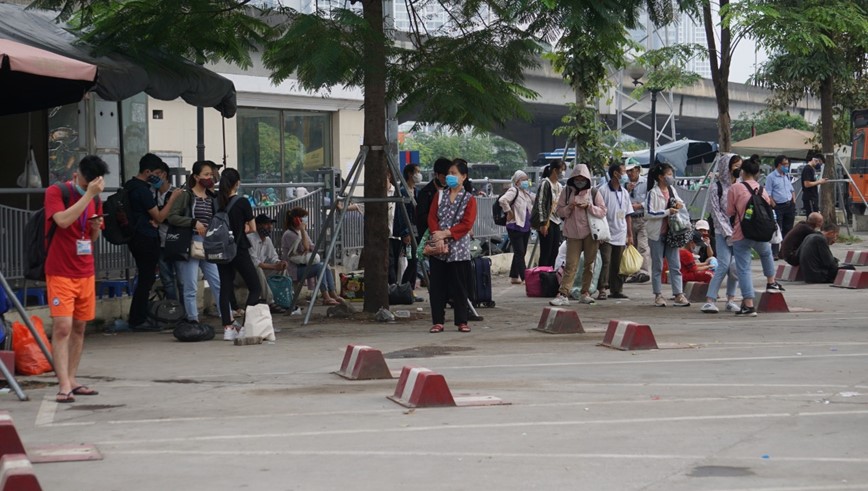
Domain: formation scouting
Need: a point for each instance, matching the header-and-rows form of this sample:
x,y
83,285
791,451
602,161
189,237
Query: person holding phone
x,y
70,276
297,248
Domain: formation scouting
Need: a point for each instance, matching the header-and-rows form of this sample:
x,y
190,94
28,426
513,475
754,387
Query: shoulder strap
x,y
231,203
750,189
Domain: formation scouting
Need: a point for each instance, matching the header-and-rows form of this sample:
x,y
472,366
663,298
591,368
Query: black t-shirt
x,y
240,214
141,200
810,175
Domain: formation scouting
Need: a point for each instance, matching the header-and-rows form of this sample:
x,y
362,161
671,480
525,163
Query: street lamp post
x,y
636,72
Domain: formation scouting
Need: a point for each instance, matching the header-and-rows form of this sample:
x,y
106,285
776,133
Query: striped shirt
x,y
203,210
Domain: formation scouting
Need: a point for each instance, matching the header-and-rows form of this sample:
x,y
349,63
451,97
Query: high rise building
x,y
684,30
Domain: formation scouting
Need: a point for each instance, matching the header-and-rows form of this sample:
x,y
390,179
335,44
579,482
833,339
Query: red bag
x,y
532,283
29,359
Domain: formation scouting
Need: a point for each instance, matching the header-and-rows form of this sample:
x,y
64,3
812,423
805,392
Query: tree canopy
x,y
766,121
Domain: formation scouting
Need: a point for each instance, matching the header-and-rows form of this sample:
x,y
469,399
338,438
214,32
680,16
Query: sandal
x,y
330,301
64,398
436,328
463,328
83,390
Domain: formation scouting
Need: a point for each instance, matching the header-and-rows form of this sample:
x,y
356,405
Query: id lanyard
x,y
84,247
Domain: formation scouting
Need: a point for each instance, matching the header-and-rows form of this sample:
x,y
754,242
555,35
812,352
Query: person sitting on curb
x,y
794,239
816,259
691,269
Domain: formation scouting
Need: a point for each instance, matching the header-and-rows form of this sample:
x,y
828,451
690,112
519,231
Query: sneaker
x,y
642,278
732,307
659,301
559,301
587,299
296,312
774,288
230,334
602,294
710,308
746,311
618,295
632,279
681,301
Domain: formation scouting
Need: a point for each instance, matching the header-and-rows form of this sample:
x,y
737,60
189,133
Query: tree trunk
x,y
376,214
720,60
827,196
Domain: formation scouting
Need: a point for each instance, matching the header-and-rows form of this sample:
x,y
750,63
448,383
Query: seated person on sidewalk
x,y
792,241
816,259
691,270
296,248
265,257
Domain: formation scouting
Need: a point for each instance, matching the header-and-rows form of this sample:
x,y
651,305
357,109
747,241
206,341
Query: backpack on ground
x,y
219,244
758,221
191,332
166,313
37,242
118,213
497,211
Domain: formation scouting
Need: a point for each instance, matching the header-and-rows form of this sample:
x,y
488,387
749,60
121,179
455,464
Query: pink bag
x,y
532,284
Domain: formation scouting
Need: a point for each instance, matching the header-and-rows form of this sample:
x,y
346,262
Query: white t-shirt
x,y
556,194
618,206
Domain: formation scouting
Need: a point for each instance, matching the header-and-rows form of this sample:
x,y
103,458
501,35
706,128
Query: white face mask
x,y
417,177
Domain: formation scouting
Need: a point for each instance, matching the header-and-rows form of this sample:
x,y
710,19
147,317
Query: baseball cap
x,y
263,218
701,225
631,163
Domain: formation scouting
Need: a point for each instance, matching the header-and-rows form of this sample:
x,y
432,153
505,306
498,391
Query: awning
x,y
790,142
32,78
679,154
118,77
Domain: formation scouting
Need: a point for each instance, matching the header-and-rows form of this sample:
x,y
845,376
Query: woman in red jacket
x,y
450,219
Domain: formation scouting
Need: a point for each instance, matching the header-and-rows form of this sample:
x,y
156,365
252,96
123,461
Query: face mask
x,y
207,183
785,169
155,181
304,220
452,181
670,181
525,185
264,231
78,189
624,180
580,184
736,173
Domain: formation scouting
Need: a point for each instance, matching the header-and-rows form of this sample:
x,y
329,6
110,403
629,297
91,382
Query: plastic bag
x,y
281,290
29,359
776,237
30,178
631,261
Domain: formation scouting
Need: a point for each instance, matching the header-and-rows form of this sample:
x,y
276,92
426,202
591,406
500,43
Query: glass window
x,y
282,146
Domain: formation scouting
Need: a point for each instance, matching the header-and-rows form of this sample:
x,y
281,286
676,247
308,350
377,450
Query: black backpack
x,y
118,227
219,244
758,221
37,242
497,212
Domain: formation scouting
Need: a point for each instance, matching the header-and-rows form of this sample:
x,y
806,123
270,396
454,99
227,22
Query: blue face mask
x,y
155,181
525,185
452,181
785,169
624,180
78,189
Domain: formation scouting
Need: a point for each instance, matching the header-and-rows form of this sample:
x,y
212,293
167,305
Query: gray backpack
x,y
219,243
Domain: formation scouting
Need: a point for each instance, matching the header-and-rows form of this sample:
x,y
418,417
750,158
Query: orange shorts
x,y
72,297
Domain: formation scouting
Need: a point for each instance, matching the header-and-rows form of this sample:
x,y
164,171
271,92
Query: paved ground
x,y
779,402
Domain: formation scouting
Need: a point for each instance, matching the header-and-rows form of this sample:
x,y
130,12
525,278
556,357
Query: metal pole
x,y
200,133
653,127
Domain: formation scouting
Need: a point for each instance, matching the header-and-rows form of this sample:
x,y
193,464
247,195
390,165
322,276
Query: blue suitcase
x,y
480,282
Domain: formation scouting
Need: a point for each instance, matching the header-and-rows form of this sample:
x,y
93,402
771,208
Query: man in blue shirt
x,y
780,190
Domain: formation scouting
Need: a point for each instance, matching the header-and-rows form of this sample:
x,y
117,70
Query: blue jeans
x,y
328,283
741,250
188,272
725,266
658,250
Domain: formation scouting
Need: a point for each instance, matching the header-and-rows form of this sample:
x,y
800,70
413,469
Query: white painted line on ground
x,y
484,426
47,410
642,362
511,455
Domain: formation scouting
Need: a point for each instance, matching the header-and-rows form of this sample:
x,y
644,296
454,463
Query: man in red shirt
x,y
69,269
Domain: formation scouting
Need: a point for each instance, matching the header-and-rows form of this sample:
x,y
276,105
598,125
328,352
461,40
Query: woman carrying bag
x,y
189,217
450,220
662,203
517,202
544,217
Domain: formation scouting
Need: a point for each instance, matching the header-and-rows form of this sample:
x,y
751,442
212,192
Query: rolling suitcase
x,y
480,282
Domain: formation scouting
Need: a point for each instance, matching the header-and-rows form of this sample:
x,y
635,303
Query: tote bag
x,y
257,322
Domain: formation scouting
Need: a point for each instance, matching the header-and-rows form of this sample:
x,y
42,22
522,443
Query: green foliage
x,y
591,135
475,147
664,67
766,121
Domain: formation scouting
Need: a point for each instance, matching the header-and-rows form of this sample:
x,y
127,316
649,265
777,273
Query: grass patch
x,y
848,239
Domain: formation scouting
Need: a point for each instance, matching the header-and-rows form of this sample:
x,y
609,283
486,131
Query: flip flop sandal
x,y
83,390
67,398
464,328
436,328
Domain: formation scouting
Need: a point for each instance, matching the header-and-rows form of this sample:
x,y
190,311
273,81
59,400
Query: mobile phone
x,y
93,217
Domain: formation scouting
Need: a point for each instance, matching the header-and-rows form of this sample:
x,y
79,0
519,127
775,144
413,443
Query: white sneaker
x,y
710,308
230,334
587,300
732,307
659,301
559,301
295,313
